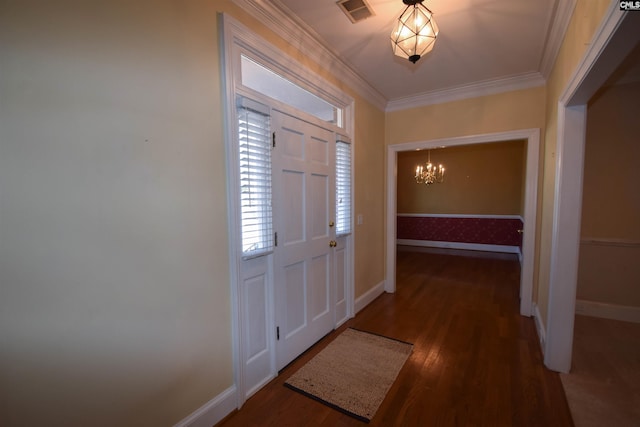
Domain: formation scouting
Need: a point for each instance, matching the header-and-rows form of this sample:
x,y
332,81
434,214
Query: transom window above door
x,y
267,82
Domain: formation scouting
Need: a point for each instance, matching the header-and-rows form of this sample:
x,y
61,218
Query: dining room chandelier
x,y
429,173
415,32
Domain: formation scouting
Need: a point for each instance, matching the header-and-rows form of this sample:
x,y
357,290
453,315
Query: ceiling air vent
x,y
356,10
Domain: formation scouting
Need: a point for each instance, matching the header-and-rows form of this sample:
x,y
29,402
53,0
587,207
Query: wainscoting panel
x,y
498,230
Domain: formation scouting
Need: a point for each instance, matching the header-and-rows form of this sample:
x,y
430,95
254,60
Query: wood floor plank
x,y
476,361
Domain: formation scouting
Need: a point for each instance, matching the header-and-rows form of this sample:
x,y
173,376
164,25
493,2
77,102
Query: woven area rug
x,y
353,373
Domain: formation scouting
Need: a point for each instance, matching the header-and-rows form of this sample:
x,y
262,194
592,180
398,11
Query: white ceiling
x,y
480,41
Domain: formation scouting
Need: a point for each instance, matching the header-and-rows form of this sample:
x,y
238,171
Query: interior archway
x,y
532,137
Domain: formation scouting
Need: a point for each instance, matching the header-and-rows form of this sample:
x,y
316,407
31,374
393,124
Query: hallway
x,y
476,361
603,387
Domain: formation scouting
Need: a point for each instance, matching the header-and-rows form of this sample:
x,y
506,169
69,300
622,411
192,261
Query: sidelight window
x,y
254,135
343,188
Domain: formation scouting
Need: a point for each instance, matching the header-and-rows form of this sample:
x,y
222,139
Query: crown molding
x,y
483,88
279,19
560,18
284,23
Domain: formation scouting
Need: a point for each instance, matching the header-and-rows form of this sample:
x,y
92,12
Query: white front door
x,y
303,208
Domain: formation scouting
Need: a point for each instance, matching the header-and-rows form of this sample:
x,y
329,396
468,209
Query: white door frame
x,y
532,136
613,40
238,39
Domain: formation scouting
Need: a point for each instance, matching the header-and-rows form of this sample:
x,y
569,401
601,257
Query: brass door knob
x,y
333,244
331,223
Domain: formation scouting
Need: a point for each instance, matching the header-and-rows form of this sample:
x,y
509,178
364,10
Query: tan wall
x,y
113,259
369,199
479,179
115,298
611,182
609,272
515,110
585,19
523,109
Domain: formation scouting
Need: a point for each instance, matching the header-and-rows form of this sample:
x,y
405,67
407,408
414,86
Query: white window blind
x,y
343,188
255,178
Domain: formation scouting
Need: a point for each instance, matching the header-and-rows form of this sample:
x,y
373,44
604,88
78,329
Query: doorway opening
x,y
532,138
614,40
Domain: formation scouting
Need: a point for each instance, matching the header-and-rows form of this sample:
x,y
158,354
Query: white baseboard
x,y
608,311
213,411
539,326
460,245
365,299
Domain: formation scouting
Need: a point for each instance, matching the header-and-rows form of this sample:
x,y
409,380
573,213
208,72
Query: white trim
x,y
539,327
601,57
459,245
530,209
350,238
287,25
233,212
367,298
426,215
507,136
351,288
477,89
253,390
566,234
561,16
213,411
603,310
529,222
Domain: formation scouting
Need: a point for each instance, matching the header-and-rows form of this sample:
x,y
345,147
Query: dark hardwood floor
x,y
476,361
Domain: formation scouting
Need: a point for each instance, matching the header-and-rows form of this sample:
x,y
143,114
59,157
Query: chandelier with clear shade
x,y
429,173
415,32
